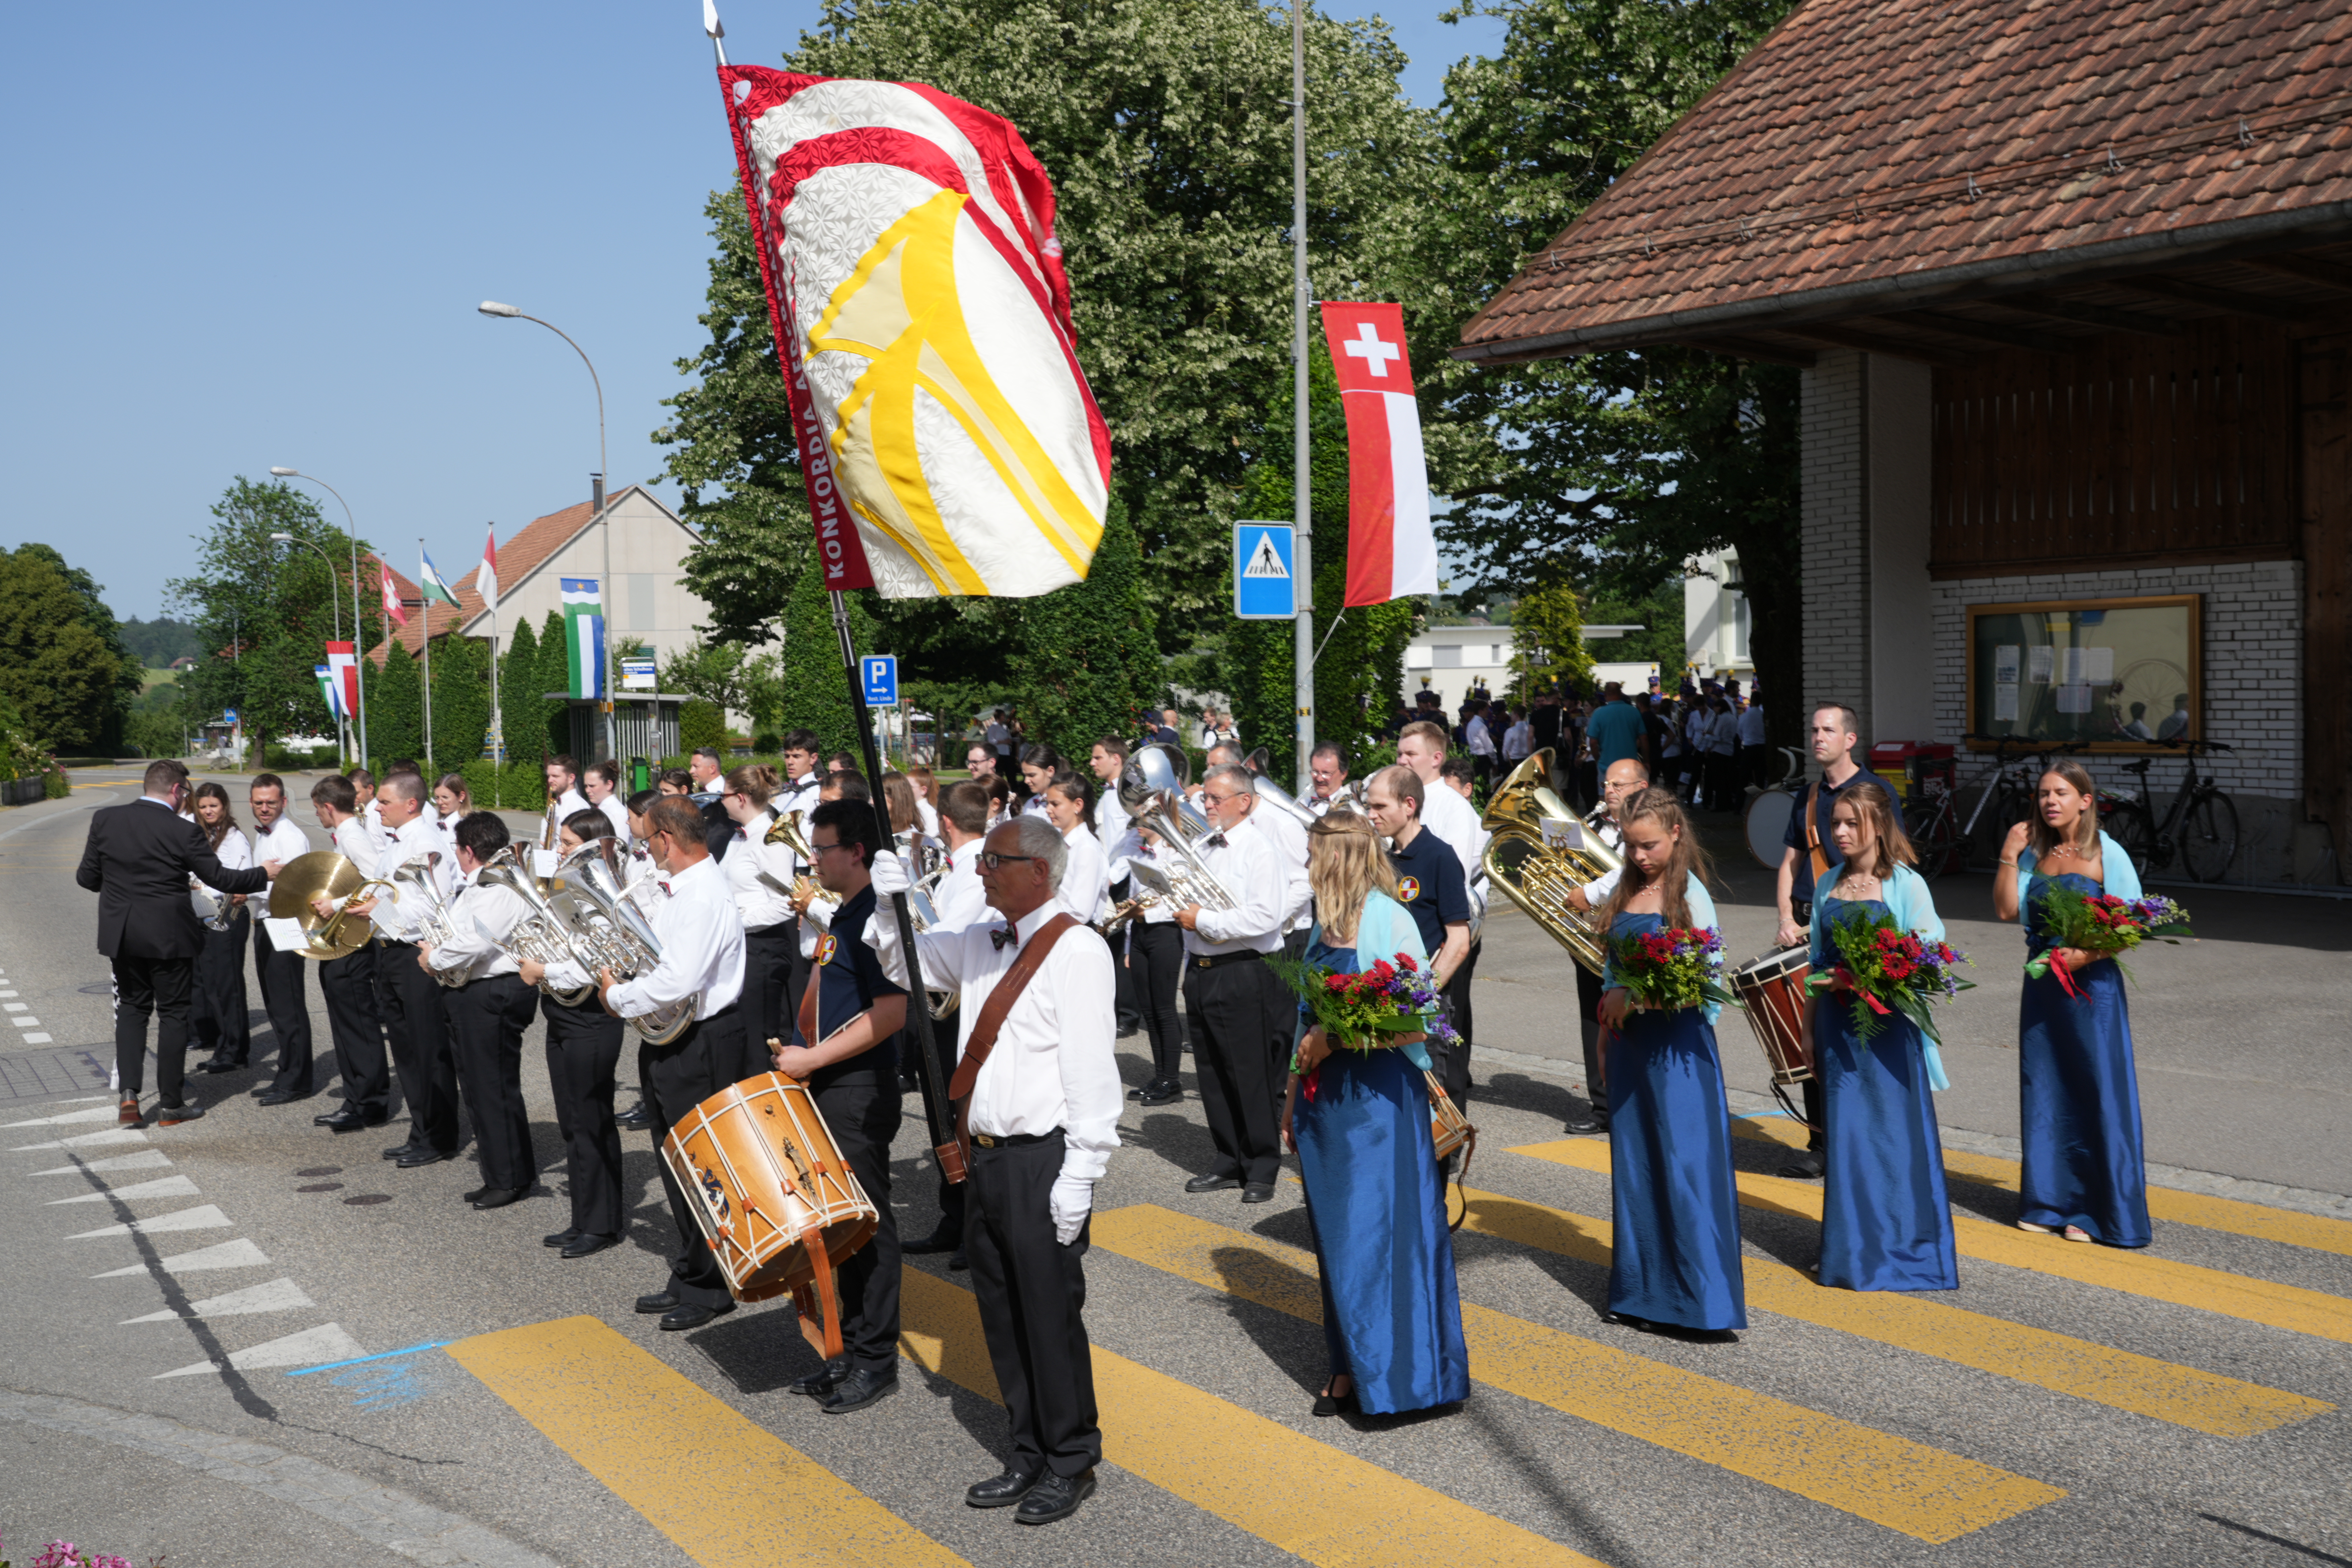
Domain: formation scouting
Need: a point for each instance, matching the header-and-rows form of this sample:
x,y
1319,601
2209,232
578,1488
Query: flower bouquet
x,y
1372,1009
1670,968
1890,971
2104,926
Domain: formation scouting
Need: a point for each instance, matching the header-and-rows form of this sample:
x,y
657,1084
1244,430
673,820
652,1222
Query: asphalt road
x,y
2067,1403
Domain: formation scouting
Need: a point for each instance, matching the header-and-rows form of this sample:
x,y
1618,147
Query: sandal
x,y
2076,1233
2037,1229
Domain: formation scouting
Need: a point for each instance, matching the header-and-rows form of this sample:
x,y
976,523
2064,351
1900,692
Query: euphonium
x,y
1151,788
413,880
540,935
606,929
1534,875
1281,799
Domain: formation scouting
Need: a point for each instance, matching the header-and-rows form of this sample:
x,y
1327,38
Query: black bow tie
x,y
1005,936
1213,841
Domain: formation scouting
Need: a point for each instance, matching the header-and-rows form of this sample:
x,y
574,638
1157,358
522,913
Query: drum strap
x,y
1821,857
993,1014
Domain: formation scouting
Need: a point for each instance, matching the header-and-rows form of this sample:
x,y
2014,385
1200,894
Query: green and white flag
x,y
584,635
429,582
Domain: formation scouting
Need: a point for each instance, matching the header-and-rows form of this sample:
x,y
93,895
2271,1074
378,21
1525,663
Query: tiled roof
x,y
536,539
1897,150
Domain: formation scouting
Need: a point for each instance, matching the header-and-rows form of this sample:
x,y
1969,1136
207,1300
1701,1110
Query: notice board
x,y
2123,675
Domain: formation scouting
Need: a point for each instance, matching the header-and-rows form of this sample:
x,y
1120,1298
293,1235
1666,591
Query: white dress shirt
x,y
1131,848
702,937
1752,725
399,919
762,899
927,818
1520,742
1053,1066
235,853
1110,827
959,898
1456,821
567,803
1289,836
1476,735
616,812
1723,734
281,843
475,909
1250,867
1086,879
356,841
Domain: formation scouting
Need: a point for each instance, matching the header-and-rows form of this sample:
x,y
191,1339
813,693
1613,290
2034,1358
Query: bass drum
x,y
1768,826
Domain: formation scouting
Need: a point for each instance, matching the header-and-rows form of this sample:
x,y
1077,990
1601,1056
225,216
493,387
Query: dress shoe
x,y
938,1241
1803,1167
478,1192
861,1388
1258,1193
329,1118
349,1121
126,1114
1054,1497
1002,1490
1327,1405
1162,1093
1212,1184
564,1237
659,1301
417,1157
820,1383
278,1097
399,1150
687,1315
216,1065
1580,1124
589,1246
500,1197
172,1115
635,1119
958,1262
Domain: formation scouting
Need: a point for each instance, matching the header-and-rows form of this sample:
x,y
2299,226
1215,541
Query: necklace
x,y
2066,852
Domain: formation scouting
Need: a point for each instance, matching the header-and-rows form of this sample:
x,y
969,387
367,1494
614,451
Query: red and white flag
x,y
391,594
343,668
1392,551
486,576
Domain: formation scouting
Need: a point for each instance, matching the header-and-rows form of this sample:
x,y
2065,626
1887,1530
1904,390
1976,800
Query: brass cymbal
x,y
321,872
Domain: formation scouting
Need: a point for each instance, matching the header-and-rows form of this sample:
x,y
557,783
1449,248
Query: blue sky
x,y
254,234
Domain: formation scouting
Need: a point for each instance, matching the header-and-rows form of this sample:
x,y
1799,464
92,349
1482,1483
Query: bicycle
x,y
1933,824
2201,825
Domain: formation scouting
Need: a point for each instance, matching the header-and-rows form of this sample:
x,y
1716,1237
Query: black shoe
x,y
1001,1490
278,1097
687,1315
861,1388
1131,1094
1581,1123
659,1301
938,1241
398,1150
417,1157
957,1261
635,1119
1803,1167
1332,1403
172,1115
1054,1497
589,1246
478,1192
342,1121
820,1383
216,1065
564,1237
1212,1184
500,1197
1162,1093
1258,1193
909,1083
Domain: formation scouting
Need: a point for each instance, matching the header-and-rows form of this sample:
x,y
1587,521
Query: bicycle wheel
x,y
1932,832
2209,840
2128,826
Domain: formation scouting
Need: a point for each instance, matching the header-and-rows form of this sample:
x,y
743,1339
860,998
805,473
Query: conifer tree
x,y
816,689
554,675
461,700
1085,663
520,708
395,708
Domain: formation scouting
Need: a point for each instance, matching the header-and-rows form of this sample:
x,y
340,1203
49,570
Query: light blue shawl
x,y
1907,899
2119,876
1382,931
1702,917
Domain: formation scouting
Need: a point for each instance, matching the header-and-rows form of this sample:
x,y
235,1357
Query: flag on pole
x,y
391,594
584,635
431,585
335,698
342,661
949,441
486,576
1391,550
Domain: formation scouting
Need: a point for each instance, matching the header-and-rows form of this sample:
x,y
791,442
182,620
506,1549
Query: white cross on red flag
x,y
1391,550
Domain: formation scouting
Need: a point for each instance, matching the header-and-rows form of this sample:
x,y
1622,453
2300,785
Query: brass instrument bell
x,y
323,873
1535,875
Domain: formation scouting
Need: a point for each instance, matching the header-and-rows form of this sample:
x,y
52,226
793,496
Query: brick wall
x,y
1836,485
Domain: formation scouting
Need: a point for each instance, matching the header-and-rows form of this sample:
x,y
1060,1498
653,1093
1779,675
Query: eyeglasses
x,y
1220,799
989,860
821,848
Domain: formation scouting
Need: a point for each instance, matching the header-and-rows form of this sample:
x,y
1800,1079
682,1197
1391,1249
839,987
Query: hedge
x,y
518,786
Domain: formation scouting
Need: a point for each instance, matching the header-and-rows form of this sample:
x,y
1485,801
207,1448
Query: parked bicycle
x,y
1934,823
2201,825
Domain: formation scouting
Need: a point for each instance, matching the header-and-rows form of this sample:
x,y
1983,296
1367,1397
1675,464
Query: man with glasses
x,y
1241,1012
277,840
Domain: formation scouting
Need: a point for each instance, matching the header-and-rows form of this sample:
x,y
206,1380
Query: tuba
x,y
1534,875
413,880
1152,791
539,936
605,928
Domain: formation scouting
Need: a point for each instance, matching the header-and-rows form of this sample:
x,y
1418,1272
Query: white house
x,y
1715,617
1455,661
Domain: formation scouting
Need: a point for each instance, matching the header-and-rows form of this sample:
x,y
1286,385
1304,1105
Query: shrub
x,y
55,785
518,786
701,724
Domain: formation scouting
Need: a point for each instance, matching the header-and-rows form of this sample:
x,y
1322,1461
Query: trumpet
x,y
1533,874
1152,791
789,830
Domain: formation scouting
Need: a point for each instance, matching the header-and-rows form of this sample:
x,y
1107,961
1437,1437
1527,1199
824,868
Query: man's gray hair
x,y
1042,841
1233,774
1220,753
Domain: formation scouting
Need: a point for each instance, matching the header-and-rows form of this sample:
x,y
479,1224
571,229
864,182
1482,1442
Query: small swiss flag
x,y
1391,550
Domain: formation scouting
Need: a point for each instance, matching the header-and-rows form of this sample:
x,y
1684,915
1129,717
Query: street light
x,y
611,595
334,595
359,621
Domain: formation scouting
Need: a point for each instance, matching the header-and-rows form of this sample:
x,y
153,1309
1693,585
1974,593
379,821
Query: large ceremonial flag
x,y
391,594
1392,551
343,658
584,635
947,438
485,575
327,690
430,585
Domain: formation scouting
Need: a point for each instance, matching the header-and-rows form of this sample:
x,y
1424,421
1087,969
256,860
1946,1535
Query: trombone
x,y
1535,875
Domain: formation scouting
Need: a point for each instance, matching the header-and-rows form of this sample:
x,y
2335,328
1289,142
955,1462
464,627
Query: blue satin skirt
x,y
1886,1224
1376,1203
1675,1258
2078,1094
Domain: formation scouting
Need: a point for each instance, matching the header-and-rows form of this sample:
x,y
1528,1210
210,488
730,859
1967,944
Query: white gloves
x,y
891,875
1073,1197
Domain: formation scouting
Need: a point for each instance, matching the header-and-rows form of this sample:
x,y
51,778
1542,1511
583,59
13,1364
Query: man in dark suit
x,y
137,861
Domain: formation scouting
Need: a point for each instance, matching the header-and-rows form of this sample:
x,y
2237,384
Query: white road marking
x,y
162,1187
277,1296
13,1006
37,1039
88,1140
8,992
326,1343
95,1113
205,1217
237,1254
145,1159
21,1022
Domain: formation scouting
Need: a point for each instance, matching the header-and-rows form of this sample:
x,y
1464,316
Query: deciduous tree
x,y
63,677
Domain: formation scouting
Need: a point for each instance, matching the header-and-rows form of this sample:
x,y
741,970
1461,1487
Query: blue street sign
x,y
1264,589
230,716
881,673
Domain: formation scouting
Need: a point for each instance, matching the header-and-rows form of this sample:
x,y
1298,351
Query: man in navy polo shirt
x,y
846,1047
1430,882
1835,730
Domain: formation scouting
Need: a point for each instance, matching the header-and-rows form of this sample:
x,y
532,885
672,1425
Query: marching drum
x,y
775,1200
1765,822
1772,991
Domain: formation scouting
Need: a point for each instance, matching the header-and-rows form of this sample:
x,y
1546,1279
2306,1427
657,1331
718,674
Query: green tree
x,y
728,675
554,675
1548,641
521,710
701,724
816,687
395,708
1086,662
461,700
63,677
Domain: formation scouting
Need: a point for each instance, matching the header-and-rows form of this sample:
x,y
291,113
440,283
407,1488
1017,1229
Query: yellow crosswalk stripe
x,y
1906,1486
726,1492
2233,1215
2242,1296
1318,1503
2185,1397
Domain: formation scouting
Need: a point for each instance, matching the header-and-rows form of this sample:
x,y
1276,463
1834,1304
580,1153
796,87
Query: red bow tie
x,y
1005,936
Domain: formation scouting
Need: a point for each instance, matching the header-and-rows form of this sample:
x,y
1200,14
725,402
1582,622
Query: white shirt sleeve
x,y
1252,868
1092,1092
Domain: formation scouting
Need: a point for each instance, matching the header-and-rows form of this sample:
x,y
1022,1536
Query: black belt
x,y
1013,1139
1219,960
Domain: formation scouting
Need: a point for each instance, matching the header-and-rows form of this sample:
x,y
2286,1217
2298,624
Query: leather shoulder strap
x,y
1819,856
984,1028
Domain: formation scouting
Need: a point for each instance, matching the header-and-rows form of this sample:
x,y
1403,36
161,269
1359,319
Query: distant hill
x,y
157,643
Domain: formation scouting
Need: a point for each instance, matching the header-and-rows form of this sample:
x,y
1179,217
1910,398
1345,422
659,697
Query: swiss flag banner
x,y
1391,552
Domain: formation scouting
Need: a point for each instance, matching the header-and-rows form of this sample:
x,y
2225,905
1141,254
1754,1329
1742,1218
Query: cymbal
x,y
321,872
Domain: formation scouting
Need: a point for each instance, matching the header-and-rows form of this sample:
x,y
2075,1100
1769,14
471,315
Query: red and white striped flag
x,y
486,576
1391,550
391,594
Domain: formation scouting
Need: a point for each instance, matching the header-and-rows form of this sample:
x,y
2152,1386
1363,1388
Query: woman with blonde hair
x,y
452,799
1360,1122
2085,1171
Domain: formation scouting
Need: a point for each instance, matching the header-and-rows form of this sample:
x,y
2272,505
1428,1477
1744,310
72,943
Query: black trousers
x,y
1124,1005
584,1059
418,1027
864,1117
143,988
221,1012
1588,1018
1453,1062
280,974
355,1021
487,1019
675,1078
796,978
768,958
1155,962
1033,1298
1243,1015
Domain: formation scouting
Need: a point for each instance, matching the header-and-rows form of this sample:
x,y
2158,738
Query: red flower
x,y
1405,963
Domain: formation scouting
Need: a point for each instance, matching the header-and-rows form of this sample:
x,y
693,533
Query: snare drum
x,y
776,1202
1772,990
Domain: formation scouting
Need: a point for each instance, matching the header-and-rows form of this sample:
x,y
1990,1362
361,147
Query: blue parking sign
x,y
879,671
1264,588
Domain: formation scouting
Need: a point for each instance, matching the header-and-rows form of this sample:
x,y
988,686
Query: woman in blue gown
x,y
1359,1121
2085,1171
1674,1261
1886,1224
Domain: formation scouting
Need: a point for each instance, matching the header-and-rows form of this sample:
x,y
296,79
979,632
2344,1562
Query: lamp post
x,y
607,591
334,595
359,621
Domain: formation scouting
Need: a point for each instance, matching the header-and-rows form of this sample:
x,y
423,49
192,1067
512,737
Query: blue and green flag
x,y
583,634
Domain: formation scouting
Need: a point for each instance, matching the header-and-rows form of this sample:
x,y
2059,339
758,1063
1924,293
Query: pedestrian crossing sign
x,y
1264,587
